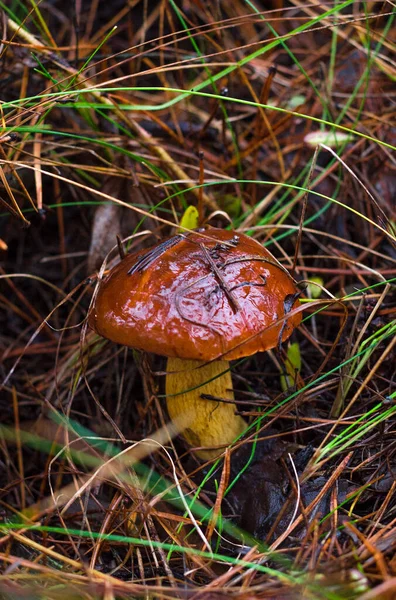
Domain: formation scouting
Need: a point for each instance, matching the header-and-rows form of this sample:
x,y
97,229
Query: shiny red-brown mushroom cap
x,y
197,296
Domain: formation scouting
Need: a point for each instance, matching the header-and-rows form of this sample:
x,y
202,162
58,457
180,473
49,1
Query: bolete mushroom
x,y
200,298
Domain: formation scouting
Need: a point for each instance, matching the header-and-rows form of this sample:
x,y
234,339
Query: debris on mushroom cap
x,y
200,295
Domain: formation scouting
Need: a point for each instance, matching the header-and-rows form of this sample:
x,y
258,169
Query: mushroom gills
x,y
203,422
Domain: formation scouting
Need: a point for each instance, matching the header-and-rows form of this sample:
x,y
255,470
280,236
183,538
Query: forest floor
x,y
275,119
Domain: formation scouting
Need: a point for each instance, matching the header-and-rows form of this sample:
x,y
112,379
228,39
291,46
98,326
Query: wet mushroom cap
x,y
197,296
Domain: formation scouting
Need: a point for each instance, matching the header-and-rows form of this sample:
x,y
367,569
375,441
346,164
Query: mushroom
x,y
200,298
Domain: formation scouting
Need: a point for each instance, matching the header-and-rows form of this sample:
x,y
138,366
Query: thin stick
x,y
200,190
303,210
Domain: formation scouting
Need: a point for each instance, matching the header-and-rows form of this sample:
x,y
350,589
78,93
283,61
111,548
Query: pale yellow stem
x,y
205,423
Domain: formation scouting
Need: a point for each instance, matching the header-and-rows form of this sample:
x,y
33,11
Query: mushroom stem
x,y
205,423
